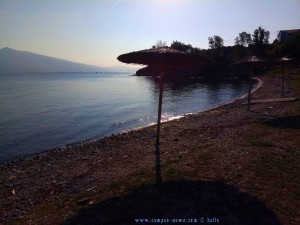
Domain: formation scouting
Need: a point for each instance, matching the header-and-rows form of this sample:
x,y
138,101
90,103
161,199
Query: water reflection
x,y
185,95
178,85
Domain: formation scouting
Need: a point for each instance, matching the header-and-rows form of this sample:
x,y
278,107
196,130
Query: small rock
x,y
83,201
90,189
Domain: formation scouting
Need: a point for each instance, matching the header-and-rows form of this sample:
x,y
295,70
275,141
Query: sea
x,y
39,112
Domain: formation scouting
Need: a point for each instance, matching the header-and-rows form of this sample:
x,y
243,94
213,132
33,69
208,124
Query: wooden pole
x,y
249,91
157,152
282,80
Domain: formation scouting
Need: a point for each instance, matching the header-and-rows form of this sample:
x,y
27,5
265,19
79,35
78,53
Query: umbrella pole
x,y
282,80
249,91
157,153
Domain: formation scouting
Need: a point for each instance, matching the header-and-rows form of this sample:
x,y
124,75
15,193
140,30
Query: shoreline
x,y
91,140
244,149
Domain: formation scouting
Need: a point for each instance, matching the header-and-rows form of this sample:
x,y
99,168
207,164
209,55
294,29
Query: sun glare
x,y
167,5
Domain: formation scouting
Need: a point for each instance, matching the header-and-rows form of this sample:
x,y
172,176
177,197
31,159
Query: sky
x,y
95,32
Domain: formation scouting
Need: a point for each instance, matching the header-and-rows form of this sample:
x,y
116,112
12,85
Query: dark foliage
x,y
222,56
215,42
288,48
243,39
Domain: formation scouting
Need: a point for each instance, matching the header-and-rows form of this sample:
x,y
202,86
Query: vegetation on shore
x,y
245,44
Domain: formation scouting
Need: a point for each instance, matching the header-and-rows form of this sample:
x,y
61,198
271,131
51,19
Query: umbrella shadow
x,y
263,114
286,122
197,202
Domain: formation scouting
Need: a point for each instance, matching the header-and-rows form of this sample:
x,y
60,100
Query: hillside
x,y
14,61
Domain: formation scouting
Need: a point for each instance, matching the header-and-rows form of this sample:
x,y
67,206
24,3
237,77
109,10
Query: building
x,y
287,35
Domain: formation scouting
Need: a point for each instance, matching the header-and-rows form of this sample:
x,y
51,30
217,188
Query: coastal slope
x,y
14,61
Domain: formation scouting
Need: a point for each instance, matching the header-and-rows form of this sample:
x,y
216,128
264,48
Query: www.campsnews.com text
x,y
206,220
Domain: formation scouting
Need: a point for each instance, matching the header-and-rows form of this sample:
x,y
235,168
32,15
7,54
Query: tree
x,y
160,44
260,37
215,42
177,45
243,39
260,41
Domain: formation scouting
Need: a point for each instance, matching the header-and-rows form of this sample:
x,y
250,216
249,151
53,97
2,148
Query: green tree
x,y
260,36
160,44
215,42
177,45
260,41
243,39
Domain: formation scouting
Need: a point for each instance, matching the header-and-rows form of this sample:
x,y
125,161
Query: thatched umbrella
x,y
251,63
162,58
284,61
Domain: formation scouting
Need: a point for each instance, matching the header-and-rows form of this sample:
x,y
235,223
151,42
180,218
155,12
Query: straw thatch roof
x,y
250,59
252,62
166,57
286,60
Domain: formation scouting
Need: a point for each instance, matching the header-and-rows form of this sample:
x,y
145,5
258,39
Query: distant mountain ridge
x,y
14,61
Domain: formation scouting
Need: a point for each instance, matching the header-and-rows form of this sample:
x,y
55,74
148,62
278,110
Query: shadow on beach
x,y
203,202
285,122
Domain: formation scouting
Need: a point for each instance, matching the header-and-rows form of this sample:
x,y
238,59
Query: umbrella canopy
x,y
251,62
286,61
165,57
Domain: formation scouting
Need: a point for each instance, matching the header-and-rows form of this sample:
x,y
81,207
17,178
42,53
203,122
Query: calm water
x,y
43,111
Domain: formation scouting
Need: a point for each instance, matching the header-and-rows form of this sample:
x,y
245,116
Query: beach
x,y
256,152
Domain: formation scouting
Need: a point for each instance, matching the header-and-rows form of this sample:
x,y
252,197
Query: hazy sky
x,y
97,31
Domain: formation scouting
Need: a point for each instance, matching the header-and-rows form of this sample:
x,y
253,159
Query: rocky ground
x,y
226,164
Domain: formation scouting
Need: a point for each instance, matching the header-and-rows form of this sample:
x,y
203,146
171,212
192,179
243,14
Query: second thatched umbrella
x,y
162,58
251,63
284,61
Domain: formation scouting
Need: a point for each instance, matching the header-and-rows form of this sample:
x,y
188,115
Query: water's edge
x,y
93,139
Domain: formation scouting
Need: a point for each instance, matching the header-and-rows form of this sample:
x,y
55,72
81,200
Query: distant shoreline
x,y
15,61
33,73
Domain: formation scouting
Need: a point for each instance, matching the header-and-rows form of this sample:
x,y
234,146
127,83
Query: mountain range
x,y
14,61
